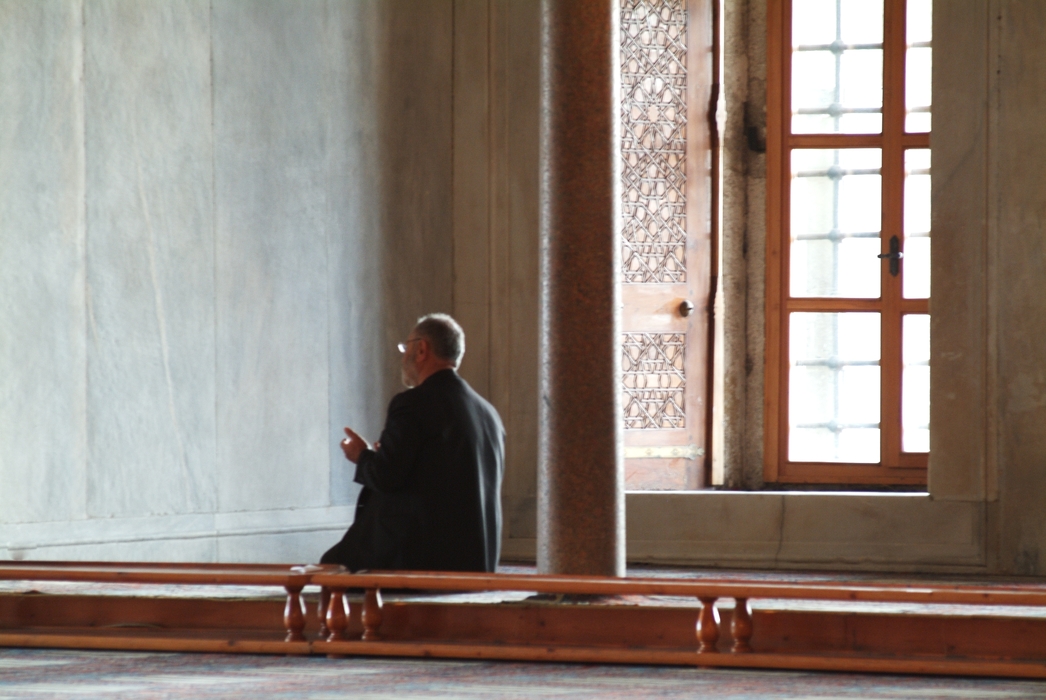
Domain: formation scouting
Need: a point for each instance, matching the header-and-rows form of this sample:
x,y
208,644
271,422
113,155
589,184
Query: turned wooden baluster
x,y
741,626
371,614
337,616
294,615
321,611
707,626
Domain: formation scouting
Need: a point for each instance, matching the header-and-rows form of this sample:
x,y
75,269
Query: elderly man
x,y
431,496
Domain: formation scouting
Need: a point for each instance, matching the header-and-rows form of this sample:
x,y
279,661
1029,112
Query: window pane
x,y
915,384
916,265
919,21
918,65
836,219
837,66
833,406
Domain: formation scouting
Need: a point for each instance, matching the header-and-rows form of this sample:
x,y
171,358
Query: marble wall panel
x,y
517,392
522,211
415,117
194,550
42,318
150,258
473,173
264,208
297,536
359,357
745,521
290,548
1018,201
958,391
270,174
389,184
496,101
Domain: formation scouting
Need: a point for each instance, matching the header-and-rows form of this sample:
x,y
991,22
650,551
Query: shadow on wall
x,y
399,96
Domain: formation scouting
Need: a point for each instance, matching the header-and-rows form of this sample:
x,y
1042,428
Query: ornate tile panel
x,y
654,380
653,125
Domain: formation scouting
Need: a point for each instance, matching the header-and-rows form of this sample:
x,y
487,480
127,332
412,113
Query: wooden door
x,y
666,75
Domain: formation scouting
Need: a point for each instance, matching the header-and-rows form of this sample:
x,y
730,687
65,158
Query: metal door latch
x,y
894,256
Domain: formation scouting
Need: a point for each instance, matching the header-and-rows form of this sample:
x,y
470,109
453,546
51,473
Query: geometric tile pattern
x,y
653,147
654,380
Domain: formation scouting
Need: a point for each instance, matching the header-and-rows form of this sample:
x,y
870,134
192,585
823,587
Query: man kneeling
x,y
431,498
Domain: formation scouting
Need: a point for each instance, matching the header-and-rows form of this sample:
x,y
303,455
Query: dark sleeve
x,y
389,469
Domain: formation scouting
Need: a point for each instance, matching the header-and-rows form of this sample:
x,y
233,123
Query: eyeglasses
x,y
402,347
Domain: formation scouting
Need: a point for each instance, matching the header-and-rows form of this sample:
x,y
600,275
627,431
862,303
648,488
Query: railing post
x,y
336,615
321,611
741,626
294,614
371,616
707,627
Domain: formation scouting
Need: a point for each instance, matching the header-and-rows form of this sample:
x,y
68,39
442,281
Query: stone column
x,y
581,505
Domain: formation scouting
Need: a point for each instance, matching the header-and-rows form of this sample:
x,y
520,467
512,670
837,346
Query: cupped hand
x,y
353,446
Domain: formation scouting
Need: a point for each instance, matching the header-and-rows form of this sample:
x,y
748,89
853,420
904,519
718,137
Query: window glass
x,y
915,384
916,263
918,65
836,219
837,66
834,387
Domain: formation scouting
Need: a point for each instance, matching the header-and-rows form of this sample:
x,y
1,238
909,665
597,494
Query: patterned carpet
x,y
26,673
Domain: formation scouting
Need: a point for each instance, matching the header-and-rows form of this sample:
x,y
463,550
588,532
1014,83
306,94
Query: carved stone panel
x,y
654,380
653,126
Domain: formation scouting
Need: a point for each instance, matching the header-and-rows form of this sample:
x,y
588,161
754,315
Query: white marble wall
x,y
270,253
216,219
43,314
150,259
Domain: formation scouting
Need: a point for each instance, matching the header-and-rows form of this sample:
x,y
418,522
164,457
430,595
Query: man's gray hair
x,y
445,336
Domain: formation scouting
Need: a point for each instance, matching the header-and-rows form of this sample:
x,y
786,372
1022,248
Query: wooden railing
x,y
291,579
984,643
334,605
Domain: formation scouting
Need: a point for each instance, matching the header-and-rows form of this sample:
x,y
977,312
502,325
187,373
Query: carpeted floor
x,y
28,673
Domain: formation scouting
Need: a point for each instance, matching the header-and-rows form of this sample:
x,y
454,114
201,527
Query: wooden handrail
x,y
162,573
292,578
109,564
707,629
948,593
718,643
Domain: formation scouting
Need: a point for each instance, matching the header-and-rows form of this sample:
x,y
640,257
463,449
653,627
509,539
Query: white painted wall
x,y
216,220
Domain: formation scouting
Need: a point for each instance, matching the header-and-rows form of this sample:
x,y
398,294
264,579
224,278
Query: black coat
x,y
431,498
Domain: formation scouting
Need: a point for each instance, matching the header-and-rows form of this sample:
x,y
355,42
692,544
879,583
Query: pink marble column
x,y
581,506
